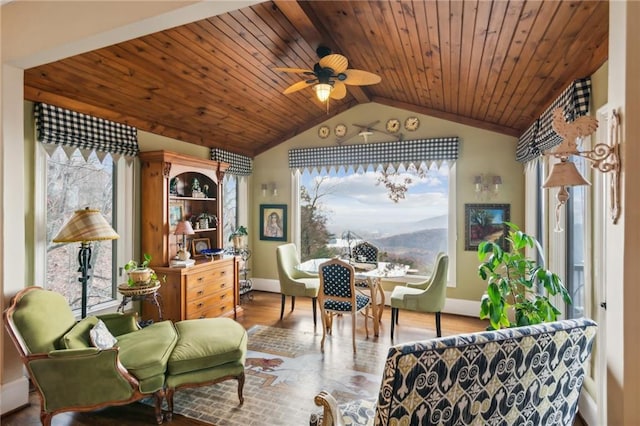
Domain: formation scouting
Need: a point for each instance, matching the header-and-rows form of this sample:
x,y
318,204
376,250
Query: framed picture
x,y
175,214
199,244
273,222
485,222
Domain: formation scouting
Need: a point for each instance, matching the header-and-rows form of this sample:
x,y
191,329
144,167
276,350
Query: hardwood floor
x,y
263,309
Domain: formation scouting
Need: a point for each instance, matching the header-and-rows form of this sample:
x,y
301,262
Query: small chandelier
x,y
323,91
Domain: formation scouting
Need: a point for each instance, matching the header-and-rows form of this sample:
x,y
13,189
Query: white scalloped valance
x,y
388,155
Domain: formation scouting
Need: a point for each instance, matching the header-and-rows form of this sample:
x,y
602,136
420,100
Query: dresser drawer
x,y
210,308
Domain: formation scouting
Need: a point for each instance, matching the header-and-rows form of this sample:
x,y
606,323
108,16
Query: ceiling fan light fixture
x,y
323,91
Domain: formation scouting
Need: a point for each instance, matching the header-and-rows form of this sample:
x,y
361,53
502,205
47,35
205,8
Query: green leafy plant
x,y
239,231
133,266
513,281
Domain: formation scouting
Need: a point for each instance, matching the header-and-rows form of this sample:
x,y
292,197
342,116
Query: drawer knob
x,y
200,305
200,292
223,296
200,279
202,316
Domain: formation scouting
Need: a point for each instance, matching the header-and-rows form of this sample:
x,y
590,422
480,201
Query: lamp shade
x,y
564,173
184,228
86,225
323,90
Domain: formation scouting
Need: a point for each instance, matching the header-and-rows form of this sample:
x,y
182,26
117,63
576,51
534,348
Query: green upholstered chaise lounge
x,y
70,374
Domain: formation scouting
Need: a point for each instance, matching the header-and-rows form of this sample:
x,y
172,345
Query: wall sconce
x,y
603,157
487,186
271,188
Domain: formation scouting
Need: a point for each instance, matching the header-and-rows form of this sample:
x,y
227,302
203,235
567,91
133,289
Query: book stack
x,y
177,263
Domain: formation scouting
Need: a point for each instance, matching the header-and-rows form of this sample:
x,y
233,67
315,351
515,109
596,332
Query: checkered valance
x,y
61,126
540,136
241,165
411,152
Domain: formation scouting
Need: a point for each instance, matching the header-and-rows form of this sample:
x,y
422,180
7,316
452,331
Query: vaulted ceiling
x,y
495,65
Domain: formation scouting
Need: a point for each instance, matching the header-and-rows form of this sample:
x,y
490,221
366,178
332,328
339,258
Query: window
x,y
229,205
576,244
73,183
348,205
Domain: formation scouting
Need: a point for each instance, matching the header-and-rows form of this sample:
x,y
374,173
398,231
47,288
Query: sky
x,y
358,202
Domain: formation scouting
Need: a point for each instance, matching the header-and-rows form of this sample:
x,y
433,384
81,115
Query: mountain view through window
x,y
405,214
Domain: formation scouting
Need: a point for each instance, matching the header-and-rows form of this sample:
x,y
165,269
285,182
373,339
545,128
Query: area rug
x,y
284,371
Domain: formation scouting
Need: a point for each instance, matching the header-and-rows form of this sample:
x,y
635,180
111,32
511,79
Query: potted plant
x,y
238,236
512,298
139,273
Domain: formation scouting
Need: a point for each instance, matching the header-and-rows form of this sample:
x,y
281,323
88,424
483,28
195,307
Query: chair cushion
x,y
42,317
398,299
78,337
206,343
145,352
101,337
337,305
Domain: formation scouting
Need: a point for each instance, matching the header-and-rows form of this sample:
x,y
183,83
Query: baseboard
x,y
14,395
469,308
587,409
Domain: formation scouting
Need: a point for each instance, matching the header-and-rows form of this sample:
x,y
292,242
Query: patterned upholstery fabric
x,y
369,251
518,376
336,283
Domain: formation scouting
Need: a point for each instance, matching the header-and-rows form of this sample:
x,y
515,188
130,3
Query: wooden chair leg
x,y
282,307
314,302
394,313
169,397
293,303
438,330
353,330
241,388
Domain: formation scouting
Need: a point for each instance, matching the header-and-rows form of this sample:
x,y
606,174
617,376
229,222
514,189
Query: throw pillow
x,y
101,337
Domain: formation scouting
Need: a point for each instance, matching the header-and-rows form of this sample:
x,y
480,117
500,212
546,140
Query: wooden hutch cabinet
x,y
178,187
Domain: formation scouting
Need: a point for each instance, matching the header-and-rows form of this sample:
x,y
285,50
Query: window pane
x,y
576,211
230,206
337,206
72,184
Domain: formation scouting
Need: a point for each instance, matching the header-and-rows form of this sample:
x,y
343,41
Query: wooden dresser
x,y
205,290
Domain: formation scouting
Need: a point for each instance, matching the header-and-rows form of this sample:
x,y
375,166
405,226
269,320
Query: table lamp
x,y
184,228
85,226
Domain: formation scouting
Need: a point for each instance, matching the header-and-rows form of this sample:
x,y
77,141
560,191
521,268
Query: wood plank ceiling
x,y
495,65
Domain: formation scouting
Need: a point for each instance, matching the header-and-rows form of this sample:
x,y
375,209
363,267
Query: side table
x,y
147,292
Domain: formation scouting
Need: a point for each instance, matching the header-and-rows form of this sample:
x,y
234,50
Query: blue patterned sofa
x,y
526,375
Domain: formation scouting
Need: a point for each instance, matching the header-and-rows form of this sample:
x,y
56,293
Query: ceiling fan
x,y
329,76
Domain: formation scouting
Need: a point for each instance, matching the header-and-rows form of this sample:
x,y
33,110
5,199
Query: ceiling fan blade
x,y
361,78
294,70
337,63
339,90
297,86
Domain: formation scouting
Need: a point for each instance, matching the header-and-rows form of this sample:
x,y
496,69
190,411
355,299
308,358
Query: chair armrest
x,y
422,285
80,377
119,324
304,274
331,415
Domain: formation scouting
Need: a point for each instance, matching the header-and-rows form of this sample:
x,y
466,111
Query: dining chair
x,y
294,282
425,296
365,252
338,295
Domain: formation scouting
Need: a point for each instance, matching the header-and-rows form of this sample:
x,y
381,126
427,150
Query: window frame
x,y
125,219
